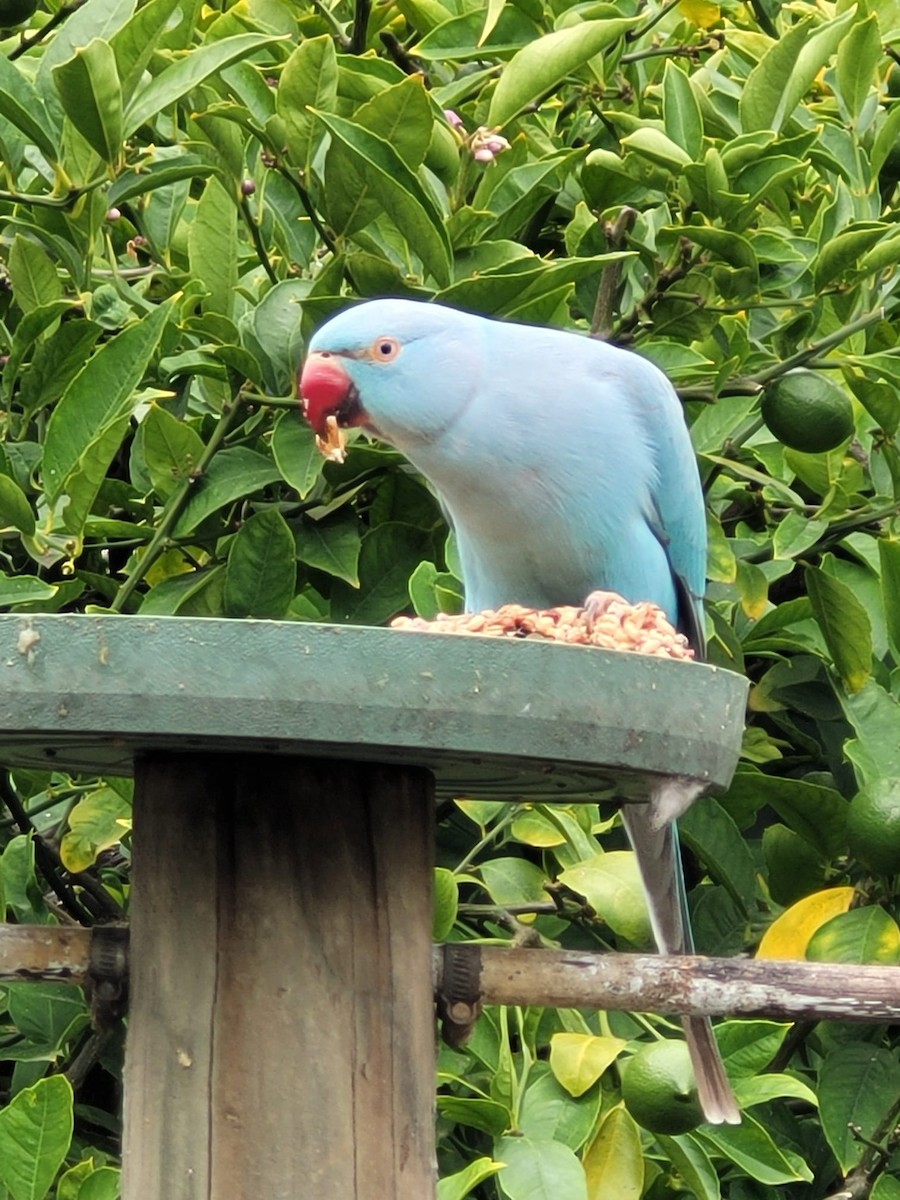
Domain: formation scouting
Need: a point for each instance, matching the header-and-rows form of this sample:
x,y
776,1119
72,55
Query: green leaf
x,y
22,105
130,184
681,111
91,96
539,1170
272,332
657,147
23,589
261,574
751,1148
491,17
817,813
35,1132
391,182
87,425
513,880
212,248
48,1014
458,37
135,43
446,904
785,73
55,362
171,450
845,626
98,821
232,474
889,560
103,1184
308,81
614,1161
840,253
858,57
186,73
294,450
388,555
690,1159
462,1183
858,1084
331,545
32,274
709,831
15,509
545,62
863,935
490,1116
611,884
548,1112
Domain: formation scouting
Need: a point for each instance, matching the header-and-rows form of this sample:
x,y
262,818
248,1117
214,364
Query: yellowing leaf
x,y
614,1161
699,12
789,935
579,1059
98,821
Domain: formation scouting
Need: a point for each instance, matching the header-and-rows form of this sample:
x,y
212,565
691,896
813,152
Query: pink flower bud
x,y
248,187
497,144
453,118
112,214
483,155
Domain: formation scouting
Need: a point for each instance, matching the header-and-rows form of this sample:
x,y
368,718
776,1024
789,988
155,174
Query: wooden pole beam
x,y
757,987
782,990
281,1027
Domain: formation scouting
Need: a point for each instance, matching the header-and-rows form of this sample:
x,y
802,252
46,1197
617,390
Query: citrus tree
x,y
187,190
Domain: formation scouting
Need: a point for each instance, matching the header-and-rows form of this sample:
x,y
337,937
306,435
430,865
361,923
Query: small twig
x,y
361,15
258,244
87,1058
175,506
634,34
329,18
38,36
605,304
45,858
309,207
401,57
763,20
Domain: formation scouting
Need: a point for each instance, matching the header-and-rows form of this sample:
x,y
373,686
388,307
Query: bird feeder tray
x,y
281,1023
490,717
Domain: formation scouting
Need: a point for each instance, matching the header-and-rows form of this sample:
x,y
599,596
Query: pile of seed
x,y
612,624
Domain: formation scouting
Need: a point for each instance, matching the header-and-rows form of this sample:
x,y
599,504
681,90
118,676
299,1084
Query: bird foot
x,y
596,604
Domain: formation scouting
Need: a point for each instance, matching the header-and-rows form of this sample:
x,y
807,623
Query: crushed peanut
x,y
618,625
333,444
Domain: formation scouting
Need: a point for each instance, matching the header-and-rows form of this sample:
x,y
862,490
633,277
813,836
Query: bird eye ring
x,y
384,349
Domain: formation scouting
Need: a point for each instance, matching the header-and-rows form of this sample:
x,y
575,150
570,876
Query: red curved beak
x,y
325,389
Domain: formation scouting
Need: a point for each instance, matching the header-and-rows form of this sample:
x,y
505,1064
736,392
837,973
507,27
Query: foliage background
x,y
187,190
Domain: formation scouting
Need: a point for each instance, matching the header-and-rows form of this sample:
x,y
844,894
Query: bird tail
x,y
655,844
713,1089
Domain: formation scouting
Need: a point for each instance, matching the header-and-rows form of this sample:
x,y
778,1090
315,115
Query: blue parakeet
x,y
565,467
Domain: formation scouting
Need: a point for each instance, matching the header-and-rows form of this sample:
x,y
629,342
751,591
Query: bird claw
x,y
597,604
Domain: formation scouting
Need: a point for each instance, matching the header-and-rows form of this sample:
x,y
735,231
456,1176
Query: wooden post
x,y
281,1029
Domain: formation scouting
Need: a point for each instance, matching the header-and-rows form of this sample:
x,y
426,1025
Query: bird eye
x,y
385,348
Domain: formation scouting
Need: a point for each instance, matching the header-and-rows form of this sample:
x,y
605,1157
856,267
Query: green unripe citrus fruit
x,y
659,1088
14,12
807,411
873,826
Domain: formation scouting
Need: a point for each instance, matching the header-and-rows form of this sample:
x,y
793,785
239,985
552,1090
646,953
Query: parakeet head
x,y
401,369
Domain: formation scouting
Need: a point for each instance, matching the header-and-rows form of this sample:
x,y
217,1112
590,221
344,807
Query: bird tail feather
x,y
655,844
713,1089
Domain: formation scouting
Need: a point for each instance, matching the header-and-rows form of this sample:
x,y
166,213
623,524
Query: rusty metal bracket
x,y
459,996
106,984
